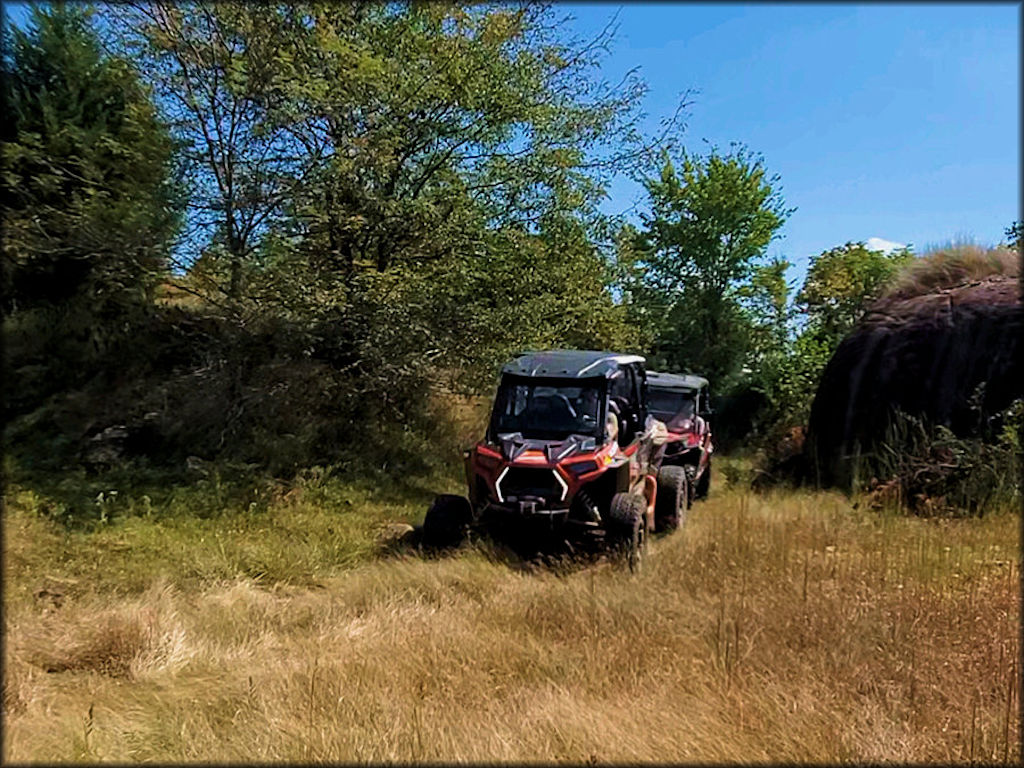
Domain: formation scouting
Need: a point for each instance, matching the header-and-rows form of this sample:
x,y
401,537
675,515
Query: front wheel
x,y
704,482
626,527
447,521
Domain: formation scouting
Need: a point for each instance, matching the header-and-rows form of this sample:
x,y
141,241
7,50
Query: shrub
x,y
926,469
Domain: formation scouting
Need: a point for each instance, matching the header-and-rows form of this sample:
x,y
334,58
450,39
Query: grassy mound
x,y
952,265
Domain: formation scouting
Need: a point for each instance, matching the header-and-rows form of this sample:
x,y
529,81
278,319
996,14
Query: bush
x,y
927,469
193,385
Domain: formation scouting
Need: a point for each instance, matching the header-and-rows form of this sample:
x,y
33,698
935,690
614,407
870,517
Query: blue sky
x,y
899,122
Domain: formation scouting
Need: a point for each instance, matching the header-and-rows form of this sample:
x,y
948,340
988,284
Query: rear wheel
x,y
704,482
447,521
626,527
672,499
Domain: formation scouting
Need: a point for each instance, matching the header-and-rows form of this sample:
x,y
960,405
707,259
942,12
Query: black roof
x,y
568,363
677,381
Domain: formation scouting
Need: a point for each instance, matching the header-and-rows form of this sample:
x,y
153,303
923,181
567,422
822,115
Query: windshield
x,y
548,409
671,405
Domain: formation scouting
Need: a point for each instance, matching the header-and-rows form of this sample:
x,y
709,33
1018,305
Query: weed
x,y
927,469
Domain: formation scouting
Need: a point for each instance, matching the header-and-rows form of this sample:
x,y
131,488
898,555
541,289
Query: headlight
x,y
581,467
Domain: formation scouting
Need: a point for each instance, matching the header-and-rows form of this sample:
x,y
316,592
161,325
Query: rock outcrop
x,y
954,355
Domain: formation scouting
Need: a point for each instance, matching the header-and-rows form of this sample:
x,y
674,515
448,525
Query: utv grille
x,y
518,482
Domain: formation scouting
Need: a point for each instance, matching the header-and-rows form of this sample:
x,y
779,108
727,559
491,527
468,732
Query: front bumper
x,y
531,513
526,509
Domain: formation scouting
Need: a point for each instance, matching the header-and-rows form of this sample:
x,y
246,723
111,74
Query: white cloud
x,y
886,246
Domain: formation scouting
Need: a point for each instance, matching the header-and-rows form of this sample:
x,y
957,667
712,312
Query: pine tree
x,y
87,165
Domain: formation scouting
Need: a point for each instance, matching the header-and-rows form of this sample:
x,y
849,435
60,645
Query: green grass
x,y
119,535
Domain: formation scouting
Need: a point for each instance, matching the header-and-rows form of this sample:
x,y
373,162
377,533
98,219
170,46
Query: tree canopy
x,y
699,262
89,200
841,282
416,167
364,200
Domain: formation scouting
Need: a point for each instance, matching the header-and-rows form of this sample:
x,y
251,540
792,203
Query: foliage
x,y
381,198
927,469
87,174
501,125
789,378
840,284
423,181
1015,234
472,185
698,261
209,63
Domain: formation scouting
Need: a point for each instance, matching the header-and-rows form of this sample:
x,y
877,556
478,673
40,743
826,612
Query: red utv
x,y
681,402
570,450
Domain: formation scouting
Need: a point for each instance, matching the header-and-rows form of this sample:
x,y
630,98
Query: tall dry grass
x,y
785,628
953,264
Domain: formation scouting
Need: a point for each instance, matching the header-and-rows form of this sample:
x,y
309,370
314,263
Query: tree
x,y
766,298
375,134
466,149
390,192
90,205
213,66
841,282
1015,234
698,263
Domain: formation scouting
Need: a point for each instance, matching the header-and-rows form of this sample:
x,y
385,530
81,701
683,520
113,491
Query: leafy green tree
x,y
465,148
394,192
380,134
543,289
213,67
442,124
89,203
767,300
698,263
841,282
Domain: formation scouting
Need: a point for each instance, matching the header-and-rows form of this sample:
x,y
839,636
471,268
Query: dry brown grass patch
x,y
953,265
789,627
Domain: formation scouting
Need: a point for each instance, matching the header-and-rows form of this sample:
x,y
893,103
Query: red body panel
x,y
483,460
488,463
696,435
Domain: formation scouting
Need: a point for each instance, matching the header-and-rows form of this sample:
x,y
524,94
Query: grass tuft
x,y
954,264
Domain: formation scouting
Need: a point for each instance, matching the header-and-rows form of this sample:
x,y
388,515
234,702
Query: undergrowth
x,y
926,469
